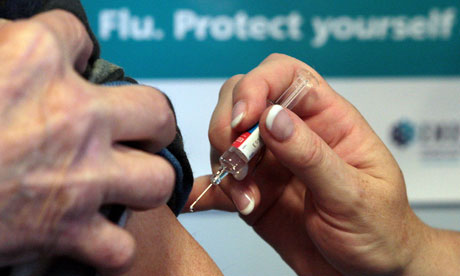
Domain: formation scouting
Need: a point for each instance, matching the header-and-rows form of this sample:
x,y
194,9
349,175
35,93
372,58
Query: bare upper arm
x,y
165,248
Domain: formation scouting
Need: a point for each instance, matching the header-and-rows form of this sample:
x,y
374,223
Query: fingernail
x,y
238,112
279,123
243,202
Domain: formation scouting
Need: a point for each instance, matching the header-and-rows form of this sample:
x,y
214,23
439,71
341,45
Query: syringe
x,y
245,147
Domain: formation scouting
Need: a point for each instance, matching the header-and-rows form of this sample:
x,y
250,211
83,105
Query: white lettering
x,y
123,26
184,21
434,22
240,26
258,27
320,29
241,22
343,28
145,30
437,24
106,23
417,28
448,20
398,25
127,26
201,28
433,26
222,28
275,28
294,25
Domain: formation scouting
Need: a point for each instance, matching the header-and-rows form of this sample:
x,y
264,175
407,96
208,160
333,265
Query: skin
x,y
331,187
60,153
165,247
338,196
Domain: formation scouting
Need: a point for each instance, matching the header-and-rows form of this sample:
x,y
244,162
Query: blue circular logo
x,y
403,133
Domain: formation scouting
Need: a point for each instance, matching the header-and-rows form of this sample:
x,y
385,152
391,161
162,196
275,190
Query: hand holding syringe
x,y
245,147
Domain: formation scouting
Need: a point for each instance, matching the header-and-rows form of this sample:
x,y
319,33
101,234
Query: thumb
x,y
307,156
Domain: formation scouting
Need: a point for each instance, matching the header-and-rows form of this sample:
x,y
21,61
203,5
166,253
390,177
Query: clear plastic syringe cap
x,y
303,82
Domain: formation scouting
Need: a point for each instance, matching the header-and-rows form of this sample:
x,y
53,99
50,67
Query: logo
x,y
433,140
403,133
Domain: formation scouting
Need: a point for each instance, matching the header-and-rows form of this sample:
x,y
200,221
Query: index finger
x,y
137,113
267,82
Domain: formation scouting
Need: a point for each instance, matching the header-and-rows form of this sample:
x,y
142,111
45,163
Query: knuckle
x,y
241,86
30,48
235,78
38,42
212,133
71,22
215,131
311,154
42,193
92,108
247,86
72,25
165,118
276,56
73,116
120,260
230,84
69,127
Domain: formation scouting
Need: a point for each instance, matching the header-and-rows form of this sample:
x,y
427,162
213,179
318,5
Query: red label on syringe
x,y
249,142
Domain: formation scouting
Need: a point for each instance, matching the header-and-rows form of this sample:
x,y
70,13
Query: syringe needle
x,y
202,194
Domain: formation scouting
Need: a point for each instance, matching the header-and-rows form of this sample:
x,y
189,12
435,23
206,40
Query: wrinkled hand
x,y
59,156
326,194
